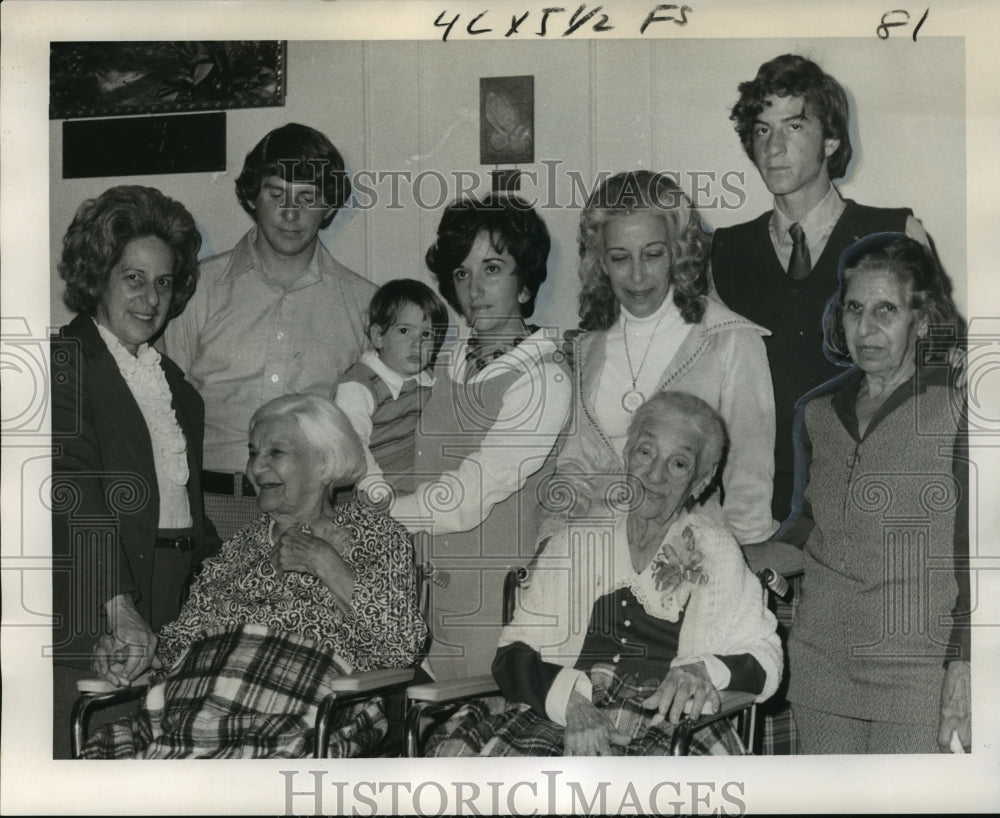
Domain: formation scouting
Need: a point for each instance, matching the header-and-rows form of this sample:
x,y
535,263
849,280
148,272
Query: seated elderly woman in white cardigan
x,y
632,621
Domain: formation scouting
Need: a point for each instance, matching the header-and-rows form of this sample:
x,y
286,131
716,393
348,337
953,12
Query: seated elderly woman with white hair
x,y
309,592
631,621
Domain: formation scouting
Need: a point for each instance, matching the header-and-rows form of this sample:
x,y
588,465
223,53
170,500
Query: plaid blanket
x,y
242,692
779,735
494,727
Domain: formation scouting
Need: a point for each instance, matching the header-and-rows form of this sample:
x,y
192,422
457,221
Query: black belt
x,y
235,485
185,542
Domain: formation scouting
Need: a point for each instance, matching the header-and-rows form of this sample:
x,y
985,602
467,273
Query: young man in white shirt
x,y
274,315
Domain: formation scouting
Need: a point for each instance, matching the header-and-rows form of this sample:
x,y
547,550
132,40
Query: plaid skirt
x,y
244,692
494,727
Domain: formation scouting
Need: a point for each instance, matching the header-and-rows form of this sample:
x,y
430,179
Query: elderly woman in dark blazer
x,y
127,516
878,654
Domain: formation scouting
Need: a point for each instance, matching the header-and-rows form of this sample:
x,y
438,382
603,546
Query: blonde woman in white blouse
x,y
127,516
650,325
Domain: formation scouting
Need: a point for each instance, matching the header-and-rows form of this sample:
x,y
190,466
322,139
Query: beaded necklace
x,y
477,356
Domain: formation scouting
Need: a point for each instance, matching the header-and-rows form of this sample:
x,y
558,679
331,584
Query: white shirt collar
x,y
311,274
818,221
391,377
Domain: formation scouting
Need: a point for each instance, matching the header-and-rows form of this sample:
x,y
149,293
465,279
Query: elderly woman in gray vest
x,y
486,434
878,657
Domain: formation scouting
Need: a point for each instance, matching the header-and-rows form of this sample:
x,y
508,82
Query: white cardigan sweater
x,y
725,615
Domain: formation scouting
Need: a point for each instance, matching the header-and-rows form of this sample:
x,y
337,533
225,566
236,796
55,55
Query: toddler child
x,y
383,392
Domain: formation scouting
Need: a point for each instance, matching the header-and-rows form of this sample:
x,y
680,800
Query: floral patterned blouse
x,y
240,586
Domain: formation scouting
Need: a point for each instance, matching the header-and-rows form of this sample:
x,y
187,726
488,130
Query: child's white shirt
x,y
356,401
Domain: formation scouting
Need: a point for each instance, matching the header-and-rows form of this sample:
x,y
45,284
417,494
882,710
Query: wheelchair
x,y
389,683
430,704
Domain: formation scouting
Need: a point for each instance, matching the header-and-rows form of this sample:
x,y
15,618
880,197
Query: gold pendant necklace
x,y
633,398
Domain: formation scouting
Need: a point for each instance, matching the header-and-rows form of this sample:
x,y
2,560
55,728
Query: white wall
x,y
605,105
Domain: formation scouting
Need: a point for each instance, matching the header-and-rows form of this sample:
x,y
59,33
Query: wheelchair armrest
x,y
372,680
354,688
100,687
781,557
731,703
454,689
437,699
96,694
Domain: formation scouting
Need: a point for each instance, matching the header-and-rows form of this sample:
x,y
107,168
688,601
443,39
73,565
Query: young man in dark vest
x,y
792,121
779,269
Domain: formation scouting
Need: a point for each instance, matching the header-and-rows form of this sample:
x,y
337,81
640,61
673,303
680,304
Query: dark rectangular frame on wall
x,y
100,79
144,145
506,120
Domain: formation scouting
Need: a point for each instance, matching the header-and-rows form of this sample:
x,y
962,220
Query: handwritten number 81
x,y
891,20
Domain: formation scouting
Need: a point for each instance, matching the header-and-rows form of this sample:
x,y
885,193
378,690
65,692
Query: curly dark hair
x,y
295,153
913,264
622,195
792,75
101,229
513,227
394,295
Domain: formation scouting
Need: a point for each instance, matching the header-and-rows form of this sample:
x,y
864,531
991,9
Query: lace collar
x,y
148,384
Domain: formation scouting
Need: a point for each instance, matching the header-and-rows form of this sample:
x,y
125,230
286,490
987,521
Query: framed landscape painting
x,y
92,79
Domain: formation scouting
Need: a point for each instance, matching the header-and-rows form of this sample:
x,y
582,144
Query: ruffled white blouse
x,y
148,384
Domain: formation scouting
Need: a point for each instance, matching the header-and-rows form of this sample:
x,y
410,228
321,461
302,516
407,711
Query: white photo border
x,y
32,783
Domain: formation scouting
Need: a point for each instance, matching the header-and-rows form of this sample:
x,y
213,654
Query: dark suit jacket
x,y
105,499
